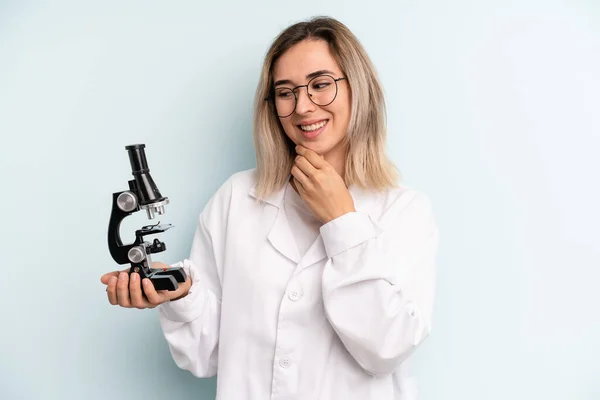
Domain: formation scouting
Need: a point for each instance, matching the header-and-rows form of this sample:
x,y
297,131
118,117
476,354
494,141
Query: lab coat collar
x,y
280,234
275,198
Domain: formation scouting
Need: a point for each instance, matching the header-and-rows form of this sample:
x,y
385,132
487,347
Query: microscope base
x,y
161,278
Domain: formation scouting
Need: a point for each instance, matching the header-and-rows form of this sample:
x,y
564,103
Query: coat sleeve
x,y
191,325
378,284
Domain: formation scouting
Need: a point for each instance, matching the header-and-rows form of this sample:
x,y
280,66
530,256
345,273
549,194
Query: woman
x,y
311,276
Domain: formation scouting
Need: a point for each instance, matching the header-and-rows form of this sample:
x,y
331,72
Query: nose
x,y
303,103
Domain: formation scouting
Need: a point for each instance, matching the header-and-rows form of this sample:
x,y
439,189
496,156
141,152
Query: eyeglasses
x,y
322,91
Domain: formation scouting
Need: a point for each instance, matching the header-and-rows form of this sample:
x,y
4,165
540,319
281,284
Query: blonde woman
x,y
312,275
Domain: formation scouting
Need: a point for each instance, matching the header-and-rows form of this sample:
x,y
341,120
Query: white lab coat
x,y
338,323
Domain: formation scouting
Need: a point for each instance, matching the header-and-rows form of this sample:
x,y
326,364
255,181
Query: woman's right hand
x,y
126,291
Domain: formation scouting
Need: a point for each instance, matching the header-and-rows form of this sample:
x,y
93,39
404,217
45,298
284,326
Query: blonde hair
x,y
366,163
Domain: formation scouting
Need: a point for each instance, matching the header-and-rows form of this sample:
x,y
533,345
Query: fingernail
x,y
122,276
134,277
146,282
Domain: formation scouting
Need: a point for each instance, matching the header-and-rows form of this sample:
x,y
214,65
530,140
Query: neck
x,y
337,161
337,158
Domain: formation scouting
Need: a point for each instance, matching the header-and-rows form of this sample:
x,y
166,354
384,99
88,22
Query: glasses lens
x,y
322,90
285,101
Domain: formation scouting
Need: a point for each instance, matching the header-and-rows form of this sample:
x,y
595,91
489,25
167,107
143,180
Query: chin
x,y
314,145
321,144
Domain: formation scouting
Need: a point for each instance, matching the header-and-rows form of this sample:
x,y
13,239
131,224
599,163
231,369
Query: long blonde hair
x,y
366,163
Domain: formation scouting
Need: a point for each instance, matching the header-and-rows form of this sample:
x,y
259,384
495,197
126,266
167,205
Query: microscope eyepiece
x,y
137,158
149,196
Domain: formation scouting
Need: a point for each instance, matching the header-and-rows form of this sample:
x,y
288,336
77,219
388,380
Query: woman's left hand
x,y
320,186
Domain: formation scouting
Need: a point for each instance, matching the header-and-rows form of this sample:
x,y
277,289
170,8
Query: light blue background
x,y
493,111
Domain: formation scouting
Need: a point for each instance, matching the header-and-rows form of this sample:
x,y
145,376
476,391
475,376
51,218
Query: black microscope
x,y
142,195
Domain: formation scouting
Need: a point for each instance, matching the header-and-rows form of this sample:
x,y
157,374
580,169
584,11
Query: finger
x,y
123,290
154,298
111,290
305,166
301,189
300,176
135,292
106,277
316,160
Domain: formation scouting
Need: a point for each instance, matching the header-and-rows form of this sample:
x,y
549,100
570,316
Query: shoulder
x,y
231,190
243,181
407,196
398,204
238,182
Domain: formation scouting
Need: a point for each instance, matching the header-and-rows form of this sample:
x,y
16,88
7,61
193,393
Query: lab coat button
x,y
284,362
295,294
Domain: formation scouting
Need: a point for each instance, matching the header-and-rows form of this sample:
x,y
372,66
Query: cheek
x,y
342,114
288,128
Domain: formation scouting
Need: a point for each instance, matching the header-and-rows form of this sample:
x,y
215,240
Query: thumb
x,y
106,277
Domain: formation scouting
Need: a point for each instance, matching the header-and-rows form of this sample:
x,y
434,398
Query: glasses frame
x,y
294,92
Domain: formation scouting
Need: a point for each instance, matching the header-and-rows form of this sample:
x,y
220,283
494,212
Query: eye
x,y
284,94
321,84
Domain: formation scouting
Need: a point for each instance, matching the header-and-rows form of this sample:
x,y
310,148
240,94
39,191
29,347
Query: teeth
x,y
313,127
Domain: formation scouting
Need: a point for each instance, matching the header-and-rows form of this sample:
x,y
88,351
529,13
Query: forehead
x,y
302,59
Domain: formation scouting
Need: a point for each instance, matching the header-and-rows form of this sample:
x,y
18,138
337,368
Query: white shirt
x,y
338,322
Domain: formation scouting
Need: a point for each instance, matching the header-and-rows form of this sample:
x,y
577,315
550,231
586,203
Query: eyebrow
x,y
309,76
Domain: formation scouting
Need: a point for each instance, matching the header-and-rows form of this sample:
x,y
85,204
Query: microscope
x,y
142,195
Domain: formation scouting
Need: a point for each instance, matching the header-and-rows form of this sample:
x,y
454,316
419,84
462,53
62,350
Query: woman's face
x,y
319,128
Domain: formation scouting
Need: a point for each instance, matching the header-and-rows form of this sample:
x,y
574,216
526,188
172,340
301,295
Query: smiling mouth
x,y
313,127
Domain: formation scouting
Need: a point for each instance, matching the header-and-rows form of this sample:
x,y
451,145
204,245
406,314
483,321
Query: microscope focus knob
x,y
136,254
127,201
